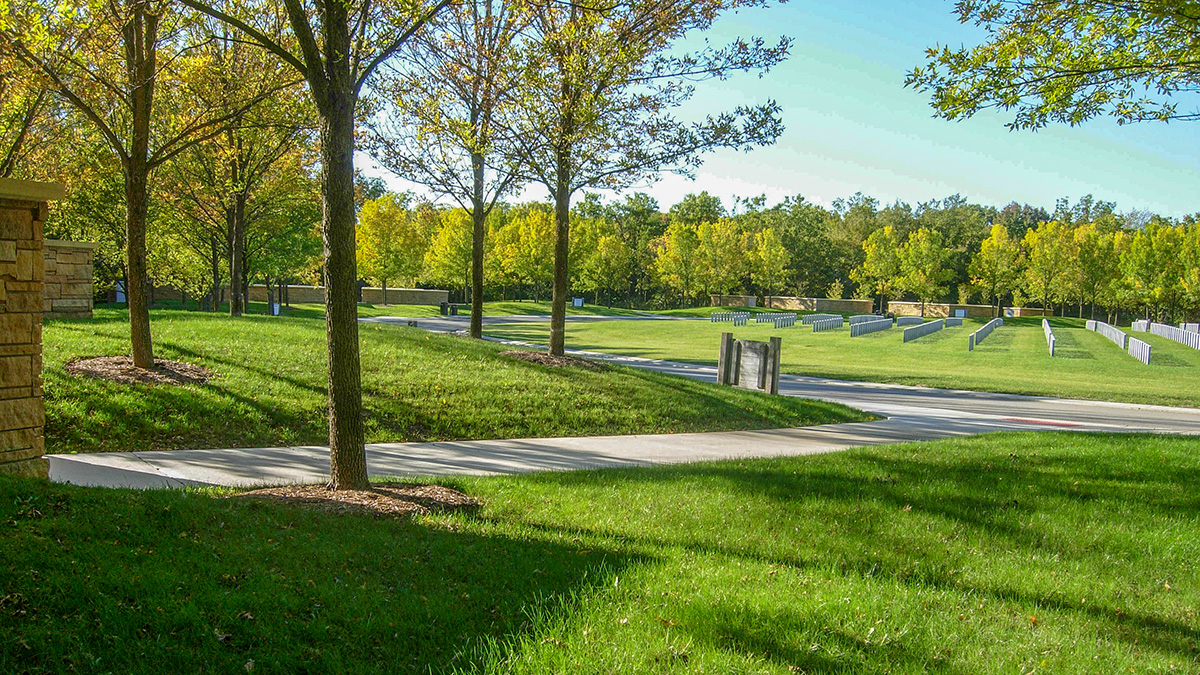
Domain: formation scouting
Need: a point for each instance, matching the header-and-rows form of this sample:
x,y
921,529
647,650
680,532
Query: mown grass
x,y
417,386
1015,553
1014,359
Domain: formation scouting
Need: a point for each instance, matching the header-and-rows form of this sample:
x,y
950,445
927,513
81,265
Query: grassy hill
x,y
417,386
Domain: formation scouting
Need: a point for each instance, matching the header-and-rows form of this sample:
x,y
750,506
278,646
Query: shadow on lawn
x,y
874,512
162,581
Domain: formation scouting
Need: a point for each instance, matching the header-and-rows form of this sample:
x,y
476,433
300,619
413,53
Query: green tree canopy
x,y
923,271
1068,61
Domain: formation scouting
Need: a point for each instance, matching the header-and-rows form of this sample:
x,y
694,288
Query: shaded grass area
x,y
1013,359
1007,553
417,386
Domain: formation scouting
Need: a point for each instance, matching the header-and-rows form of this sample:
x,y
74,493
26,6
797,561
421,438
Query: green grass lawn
x,y
1016,553
417,386
1014,359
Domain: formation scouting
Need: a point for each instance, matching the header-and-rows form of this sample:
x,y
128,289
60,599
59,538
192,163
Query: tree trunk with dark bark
x,y
478,232
347,453
562,239
141,34
215,291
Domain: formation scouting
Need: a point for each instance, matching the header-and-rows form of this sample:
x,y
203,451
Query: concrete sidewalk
x,y
251,467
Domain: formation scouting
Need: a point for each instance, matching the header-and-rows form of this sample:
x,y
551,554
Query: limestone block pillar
x,y
22,415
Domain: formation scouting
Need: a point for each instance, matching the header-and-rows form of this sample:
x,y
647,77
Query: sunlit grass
x,y
417,386
1011,553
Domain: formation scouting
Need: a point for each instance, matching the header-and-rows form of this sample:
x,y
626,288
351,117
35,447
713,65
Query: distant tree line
x,y
1080,258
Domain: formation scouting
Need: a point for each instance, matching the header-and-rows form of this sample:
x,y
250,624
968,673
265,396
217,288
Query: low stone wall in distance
x,y
733,300
371,295
296,294
940,310
69,273
832,305
1024,311
405,296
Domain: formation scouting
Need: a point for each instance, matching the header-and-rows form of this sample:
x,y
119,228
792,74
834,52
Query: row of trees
x,y
632,253
493,95
472,99
1154,272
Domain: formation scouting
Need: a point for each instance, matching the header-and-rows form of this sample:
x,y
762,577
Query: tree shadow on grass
x,y
876,510
1161,358
157,581
999,340
830,649
1067,346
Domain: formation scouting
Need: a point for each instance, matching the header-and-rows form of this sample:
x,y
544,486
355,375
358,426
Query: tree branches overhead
x,y
1068,61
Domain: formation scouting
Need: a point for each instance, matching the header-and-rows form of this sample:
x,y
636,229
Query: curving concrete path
x,y
911,414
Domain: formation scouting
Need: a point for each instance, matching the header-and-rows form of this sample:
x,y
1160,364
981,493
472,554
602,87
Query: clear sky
x,y
853,127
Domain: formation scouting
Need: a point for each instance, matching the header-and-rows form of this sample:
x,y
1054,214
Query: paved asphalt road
x,y
912,413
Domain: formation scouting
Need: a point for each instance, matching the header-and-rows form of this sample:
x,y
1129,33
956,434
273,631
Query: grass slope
x,y
1014,359
417,386
1016,553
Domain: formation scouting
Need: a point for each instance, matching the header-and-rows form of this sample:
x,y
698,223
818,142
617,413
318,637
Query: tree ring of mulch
x,y
120,369
551,361
395,499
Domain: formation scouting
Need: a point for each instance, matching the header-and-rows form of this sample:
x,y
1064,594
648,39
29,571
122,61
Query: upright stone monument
x,y
749,364
22,415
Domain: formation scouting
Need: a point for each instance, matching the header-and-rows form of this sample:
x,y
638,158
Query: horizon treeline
x,y
1081,258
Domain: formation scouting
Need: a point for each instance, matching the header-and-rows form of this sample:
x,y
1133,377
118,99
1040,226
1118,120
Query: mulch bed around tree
x,y
120,369
398,499
546,359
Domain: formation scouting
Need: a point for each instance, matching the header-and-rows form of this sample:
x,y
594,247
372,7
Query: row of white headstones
x,y
1185,334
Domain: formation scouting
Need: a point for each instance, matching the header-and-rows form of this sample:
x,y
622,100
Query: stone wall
x,y
405,296
68,289
1025,311
371,295
943,310
22,414
833,305
733,300
939,309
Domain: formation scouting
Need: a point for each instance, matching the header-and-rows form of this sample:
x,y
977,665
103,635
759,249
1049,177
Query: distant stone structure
x,y
69,276
833,305
316,295
23,208
733,300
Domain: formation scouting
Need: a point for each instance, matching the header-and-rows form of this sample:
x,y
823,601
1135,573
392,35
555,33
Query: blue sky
x,y
853,127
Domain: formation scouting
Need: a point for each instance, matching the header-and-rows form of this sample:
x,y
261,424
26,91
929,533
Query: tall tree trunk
x,y
562,238
215,259
136,212
347,453
141,35
478,231
236,216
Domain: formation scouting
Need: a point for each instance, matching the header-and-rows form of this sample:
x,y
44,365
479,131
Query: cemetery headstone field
x,y
1013,359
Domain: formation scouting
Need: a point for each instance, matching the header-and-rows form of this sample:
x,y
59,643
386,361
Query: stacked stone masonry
x,y
837,306
69,273
22,415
